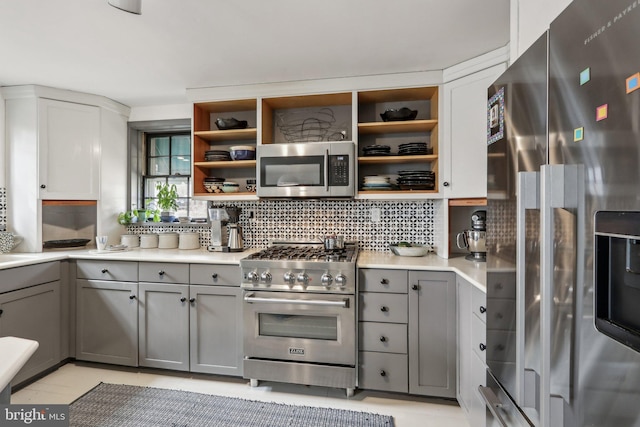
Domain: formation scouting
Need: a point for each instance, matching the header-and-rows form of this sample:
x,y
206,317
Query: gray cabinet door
x,y
216,329
432,333
33,313
163,319
107,322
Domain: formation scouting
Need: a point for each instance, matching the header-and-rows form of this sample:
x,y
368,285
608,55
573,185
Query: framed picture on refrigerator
x,y
495,117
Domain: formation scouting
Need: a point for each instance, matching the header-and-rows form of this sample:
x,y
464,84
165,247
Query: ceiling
x,y
151,59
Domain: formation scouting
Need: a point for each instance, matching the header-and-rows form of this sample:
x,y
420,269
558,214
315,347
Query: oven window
x,y
297,326
292,171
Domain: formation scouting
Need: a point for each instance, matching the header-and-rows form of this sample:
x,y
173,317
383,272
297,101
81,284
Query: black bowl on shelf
x,y
396,115
230,123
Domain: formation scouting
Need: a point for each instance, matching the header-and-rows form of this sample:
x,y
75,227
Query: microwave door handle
x,y
326,169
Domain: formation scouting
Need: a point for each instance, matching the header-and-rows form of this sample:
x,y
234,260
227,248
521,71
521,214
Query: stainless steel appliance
x,y
318,169
219,235
300,314
562,225
474,239
235,240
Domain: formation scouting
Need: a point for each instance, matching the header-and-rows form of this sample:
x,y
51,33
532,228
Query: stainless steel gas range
x,y
299,314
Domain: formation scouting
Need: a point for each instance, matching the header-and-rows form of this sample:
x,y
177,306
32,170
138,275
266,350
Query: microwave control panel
x,y
338,170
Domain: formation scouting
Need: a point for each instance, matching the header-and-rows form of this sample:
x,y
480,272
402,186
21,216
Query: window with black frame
x,y
168,161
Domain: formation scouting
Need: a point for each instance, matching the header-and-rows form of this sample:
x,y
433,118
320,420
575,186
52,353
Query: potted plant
x,y
167,201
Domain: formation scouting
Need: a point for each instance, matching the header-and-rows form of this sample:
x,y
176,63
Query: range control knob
x,y
341,280
326,279
289,278
266,277
253,277
303,278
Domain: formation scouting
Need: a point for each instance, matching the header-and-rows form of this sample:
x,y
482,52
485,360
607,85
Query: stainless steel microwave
x,y
313,170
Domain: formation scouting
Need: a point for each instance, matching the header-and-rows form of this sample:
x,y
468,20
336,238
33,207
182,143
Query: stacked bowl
x,y
243,152
213,184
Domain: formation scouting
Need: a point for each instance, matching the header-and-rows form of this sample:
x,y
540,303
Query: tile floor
x,y
74,379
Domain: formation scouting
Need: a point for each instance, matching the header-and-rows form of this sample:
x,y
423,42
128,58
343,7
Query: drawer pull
x,y
483,309
105,270
384,281
183,299
384,308
383,373
161,273
132,297
1,311
415,287
482,347
192,300
214,276
383,338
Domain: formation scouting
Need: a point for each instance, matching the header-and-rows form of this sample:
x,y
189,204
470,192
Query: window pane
x,y
182,184
150,186
181,165
159,146
198,208
181,145
159,166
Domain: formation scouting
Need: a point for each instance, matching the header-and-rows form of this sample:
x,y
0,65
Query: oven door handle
x,y
493,404
251,299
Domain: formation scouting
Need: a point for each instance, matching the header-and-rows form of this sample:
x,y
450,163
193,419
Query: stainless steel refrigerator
x,y
563,225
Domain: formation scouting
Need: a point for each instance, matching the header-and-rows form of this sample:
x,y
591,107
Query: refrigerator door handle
x,y
528,197
562,187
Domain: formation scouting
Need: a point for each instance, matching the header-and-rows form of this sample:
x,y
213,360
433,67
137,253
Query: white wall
x,y
3,167
161,112
529,19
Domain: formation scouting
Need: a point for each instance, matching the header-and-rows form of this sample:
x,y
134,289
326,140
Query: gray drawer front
x,y
123,271
502,285
211,274
30,275
159,272
479,337
479,302
384,371
383,337
383,307
375,280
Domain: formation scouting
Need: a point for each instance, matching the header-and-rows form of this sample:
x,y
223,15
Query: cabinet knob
x,y
384,308
415,287
183,299
383,373
105,270
383,338
214,276
43,186
384,281
446,184
482,347
161,273
192,300
132,297
483,309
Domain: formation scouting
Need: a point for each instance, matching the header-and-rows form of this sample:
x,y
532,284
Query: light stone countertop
x,y
474,272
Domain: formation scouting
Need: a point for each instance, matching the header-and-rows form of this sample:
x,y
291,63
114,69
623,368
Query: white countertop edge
x,y
473,272
14,353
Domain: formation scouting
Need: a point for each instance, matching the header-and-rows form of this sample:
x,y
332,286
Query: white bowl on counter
x,y
189,240
148,241
130,240
168,240
409,250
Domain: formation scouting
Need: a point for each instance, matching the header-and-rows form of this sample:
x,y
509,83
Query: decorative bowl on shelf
x,y
230,123
230,187
396,115
243,152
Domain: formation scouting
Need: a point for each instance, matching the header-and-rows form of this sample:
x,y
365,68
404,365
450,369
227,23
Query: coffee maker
x,y
219,235
235,231
475,239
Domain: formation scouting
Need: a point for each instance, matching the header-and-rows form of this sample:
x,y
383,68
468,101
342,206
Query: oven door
x,y
301,327
306,170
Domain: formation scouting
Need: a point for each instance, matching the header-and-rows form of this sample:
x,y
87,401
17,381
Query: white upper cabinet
x,y
68,150
465,141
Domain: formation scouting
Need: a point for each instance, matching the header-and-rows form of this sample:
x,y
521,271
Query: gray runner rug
x,y
123,406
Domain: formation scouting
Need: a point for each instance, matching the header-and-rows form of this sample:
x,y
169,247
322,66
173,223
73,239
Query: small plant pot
x,y
142,216
168,216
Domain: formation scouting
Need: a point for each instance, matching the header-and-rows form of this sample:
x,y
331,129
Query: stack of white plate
x,y
189,241
377,182
168,240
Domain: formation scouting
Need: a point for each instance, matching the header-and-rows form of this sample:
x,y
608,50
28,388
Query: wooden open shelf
x,y
376,128
362,192
227,165
227,135
468,202
388,160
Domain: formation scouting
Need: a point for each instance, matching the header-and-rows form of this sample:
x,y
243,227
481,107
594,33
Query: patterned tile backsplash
x,y
3,208
410,221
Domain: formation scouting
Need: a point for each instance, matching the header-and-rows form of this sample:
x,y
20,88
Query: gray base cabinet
x,y
407,337
30,307
471,342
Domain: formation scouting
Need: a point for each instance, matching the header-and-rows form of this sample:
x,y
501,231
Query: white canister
x,y
130,240
189,240
168,240
148,241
